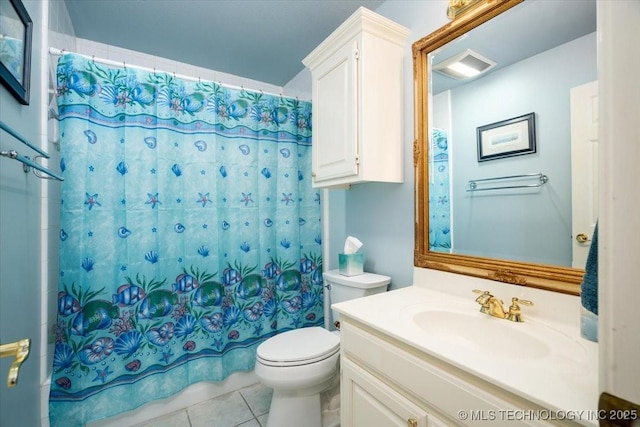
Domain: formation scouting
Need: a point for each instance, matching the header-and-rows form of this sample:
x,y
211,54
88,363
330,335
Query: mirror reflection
x,y
540,58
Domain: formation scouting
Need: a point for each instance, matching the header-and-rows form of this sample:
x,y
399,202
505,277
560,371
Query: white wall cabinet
x,y
387,383
357,96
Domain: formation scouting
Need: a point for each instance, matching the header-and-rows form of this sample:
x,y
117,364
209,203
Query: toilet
x,y
302,363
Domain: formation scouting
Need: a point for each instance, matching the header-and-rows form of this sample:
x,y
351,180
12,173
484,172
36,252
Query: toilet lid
x,y
298,347
362,281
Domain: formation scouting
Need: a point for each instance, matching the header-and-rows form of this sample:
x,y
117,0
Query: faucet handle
x,y
483,300
484,293
515,315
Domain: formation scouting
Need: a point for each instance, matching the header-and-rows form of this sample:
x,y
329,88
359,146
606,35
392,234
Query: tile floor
x,y
247,407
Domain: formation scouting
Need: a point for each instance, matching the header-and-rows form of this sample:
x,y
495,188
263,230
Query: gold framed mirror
x,y
518,272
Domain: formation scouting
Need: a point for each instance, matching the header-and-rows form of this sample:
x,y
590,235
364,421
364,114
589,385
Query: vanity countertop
x,y
559,379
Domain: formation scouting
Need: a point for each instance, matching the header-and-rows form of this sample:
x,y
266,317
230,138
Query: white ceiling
x,y
263,40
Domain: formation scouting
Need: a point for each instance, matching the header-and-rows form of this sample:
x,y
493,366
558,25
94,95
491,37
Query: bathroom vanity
x,y
426,356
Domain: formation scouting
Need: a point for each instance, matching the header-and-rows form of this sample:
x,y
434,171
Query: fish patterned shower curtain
x,y
439,197
189,234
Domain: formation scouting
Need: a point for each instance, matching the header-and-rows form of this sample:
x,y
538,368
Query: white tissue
x,y
351,245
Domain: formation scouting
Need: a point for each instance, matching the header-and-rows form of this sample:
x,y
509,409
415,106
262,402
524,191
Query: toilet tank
x,y
343,288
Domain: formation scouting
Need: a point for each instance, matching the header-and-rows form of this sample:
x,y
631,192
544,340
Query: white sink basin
x,y
479,331
463,331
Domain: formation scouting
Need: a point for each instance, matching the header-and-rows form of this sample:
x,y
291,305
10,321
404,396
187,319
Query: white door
x,y
584,169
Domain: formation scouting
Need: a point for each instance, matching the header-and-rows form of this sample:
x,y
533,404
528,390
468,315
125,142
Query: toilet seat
x,y
298,347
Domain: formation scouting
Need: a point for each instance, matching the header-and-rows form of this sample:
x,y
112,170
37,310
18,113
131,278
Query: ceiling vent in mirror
x,y
464,65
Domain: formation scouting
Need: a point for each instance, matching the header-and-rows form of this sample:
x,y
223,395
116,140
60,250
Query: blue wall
x,y
484,221
382,215
20,244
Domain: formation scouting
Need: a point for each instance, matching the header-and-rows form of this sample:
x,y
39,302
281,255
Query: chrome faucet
x,y
494,307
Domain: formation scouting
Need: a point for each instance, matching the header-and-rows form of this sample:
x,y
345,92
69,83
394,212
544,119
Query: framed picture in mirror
x,y
507,138
15,49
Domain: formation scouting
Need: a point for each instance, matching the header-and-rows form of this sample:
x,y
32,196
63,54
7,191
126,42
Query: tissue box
x,y
350,264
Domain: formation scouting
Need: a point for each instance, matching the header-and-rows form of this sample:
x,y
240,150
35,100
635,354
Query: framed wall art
x,y
507,138
16,28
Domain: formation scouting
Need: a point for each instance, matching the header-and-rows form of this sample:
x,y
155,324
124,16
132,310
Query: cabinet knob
x,y
412,422
313,174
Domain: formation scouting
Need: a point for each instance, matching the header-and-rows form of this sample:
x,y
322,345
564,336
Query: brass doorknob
x,y
582,238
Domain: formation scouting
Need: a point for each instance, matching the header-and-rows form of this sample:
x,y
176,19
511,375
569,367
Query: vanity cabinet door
x,y
368,402
438,388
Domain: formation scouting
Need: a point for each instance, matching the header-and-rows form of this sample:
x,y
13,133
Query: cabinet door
x,y
335,139
368,402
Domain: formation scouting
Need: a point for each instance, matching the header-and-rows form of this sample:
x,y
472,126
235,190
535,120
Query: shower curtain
x,y
439,197
189,234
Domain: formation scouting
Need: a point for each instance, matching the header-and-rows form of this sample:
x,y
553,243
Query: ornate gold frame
x,y
561,279
458,7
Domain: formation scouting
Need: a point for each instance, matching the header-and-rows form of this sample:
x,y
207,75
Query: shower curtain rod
x,y
56,51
